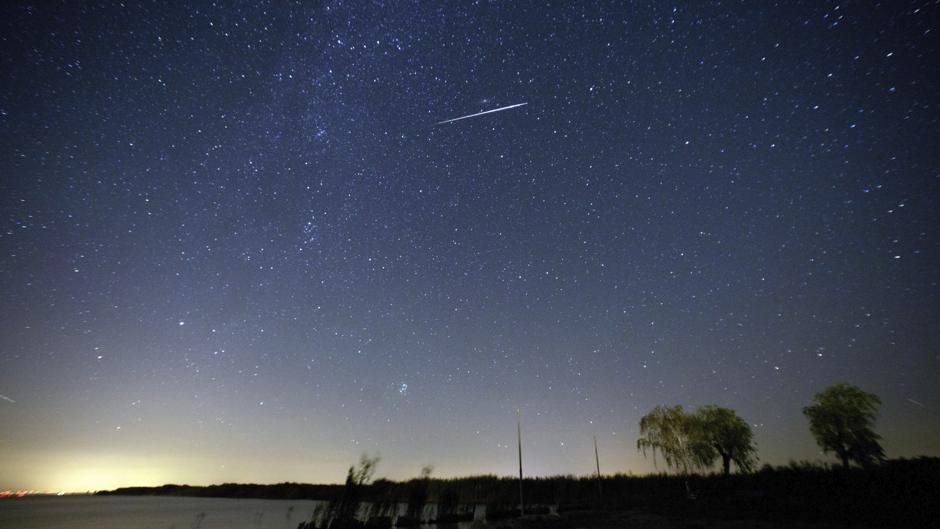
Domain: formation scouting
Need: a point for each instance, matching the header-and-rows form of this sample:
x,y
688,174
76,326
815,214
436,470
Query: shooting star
x,y
481,113
912,401
8,399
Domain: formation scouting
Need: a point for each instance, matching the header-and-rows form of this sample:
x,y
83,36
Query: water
x,y
165,512
149,512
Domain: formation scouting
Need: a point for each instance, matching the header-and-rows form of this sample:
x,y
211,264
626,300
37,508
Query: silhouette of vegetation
x,y
417,498
693,441
345,509
897,493
288,491
448,505
841,419
720,432
672,433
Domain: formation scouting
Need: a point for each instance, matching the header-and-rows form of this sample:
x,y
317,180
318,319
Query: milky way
x,y
236,248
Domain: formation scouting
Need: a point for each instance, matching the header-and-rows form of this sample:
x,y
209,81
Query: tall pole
x,y
519,437
597,461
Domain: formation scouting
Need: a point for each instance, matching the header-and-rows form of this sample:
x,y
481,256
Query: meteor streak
x,y
481,113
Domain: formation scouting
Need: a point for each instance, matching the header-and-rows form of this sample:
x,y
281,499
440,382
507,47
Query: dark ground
x,y
645,520
901,493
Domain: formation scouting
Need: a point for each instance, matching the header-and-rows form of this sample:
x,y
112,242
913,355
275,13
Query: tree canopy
x,y
721,432
842,419
690,441
362,474
669,431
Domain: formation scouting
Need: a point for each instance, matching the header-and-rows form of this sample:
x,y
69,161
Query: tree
x,y
345,509
418,494
721,432
841,419
671,432
363,474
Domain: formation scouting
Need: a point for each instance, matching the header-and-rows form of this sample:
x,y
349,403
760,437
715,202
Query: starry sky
x,y
236,245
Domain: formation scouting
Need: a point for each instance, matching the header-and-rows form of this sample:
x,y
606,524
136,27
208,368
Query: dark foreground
x,y
643,520
902,493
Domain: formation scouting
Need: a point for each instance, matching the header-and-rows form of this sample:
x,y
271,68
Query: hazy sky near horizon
x,y
237,247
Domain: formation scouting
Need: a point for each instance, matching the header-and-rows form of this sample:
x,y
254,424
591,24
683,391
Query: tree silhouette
x,y
671,432
841,419
418,495
721,432
345,509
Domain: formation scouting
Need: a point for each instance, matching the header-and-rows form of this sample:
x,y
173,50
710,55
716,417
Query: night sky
x,y
235,245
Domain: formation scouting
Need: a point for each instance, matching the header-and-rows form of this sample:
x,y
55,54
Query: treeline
x,y
895,493
279,491
900,492
841,418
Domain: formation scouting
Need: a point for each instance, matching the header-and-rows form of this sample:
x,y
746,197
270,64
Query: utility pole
x,y
597,461
519,437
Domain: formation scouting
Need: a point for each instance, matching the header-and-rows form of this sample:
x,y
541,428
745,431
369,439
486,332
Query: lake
x,y
152,512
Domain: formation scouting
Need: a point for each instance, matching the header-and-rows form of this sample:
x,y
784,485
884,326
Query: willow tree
x,y
673,434
721,432
842,419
